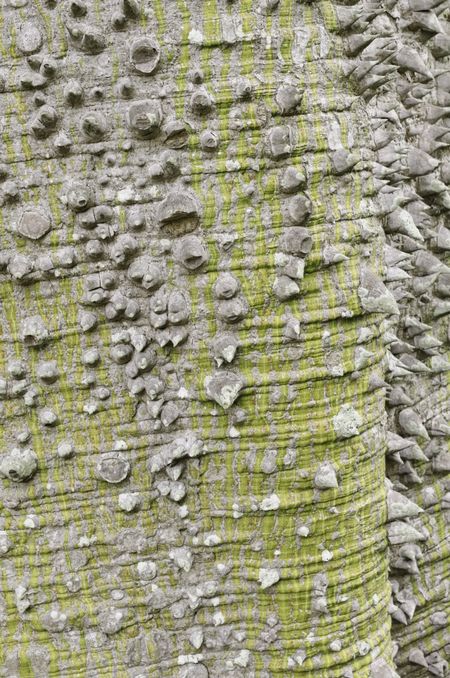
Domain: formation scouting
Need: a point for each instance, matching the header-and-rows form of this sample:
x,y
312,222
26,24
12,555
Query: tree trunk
x,y
224,302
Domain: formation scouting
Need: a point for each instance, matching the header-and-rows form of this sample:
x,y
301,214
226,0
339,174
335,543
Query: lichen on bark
x,y
223,299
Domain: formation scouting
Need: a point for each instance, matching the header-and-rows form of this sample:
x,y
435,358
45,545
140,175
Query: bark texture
x,y
399,57
224,301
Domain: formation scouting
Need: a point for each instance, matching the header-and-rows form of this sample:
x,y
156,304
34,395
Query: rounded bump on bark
x,y
65,449
112,620
299,209
118,302
179,213
34,331
144,118
296,240
325,476
183,558
79,197
62,142
292,179
268,576
209,140
292,329
118,21
31,397
121,353
86,38
347,422
11,192
406,558
280,142
130,8
121,337
123,249
19,465
90,357
285,288
147,273
16,369
146,570
197,76
269,5
33,224
5,542
48,68
54,621
169,414
47,371
158,308
129,501
73,93
154,387
176,133
293,267
232,310
44,122
287,98
243,89
48,417
29,39
226,286
178,308
78,8
94,126
201,101
145,55
65,257
87,320
125,87
437,665
20,267
190,252
136,219
224,348
94,250
224,387
170,164
113,468
143,361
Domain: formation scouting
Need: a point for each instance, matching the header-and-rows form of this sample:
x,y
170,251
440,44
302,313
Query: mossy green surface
x,y
288,404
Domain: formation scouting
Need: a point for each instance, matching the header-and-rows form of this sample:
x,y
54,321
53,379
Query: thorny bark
x,y
224,301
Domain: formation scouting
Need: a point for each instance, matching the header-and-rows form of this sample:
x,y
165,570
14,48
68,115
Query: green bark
x,y
205,495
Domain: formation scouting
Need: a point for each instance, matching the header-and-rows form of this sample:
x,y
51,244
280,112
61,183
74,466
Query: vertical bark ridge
x,y
399,59
192,346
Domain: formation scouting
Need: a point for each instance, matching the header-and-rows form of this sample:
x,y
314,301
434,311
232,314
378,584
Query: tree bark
x,y
224,302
